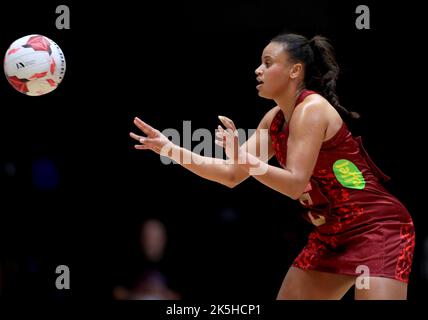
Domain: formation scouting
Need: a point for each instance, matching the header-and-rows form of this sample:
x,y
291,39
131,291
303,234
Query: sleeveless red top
x,y
345,199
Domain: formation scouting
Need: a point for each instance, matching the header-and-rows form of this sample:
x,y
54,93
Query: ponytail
x,y
321,68
322,74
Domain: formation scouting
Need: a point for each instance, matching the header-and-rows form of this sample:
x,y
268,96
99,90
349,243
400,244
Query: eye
x,y
268,64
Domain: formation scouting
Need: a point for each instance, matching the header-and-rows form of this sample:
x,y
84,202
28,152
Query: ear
x,y
296,70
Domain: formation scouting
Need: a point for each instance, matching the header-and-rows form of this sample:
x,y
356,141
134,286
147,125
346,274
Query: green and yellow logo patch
x,y
348,174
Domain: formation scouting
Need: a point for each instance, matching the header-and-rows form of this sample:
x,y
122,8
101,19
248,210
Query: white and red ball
x,y
34,65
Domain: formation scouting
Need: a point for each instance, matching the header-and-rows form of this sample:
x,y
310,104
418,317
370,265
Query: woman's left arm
x,y
306,134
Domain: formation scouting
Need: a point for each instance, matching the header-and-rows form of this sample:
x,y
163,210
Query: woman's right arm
x,y
214,169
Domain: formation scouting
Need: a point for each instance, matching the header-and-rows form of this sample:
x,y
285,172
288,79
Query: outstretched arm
x,y
217,170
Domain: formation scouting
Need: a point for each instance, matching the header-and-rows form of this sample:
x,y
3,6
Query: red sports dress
x,y
358,223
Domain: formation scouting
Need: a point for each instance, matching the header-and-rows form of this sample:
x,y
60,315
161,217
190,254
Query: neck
x,y
288,100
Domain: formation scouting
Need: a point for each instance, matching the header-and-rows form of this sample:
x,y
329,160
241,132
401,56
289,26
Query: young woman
x,y
362,234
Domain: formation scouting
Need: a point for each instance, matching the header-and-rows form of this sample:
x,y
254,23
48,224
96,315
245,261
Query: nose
x,y
258,71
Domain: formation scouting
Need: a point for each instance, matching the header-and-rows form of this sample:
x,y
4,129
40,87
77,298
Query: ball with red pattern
x,y
34,65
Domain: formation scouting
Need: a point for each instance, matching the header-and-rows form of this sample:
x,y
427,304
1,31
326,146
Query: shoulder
x,y
311,115
314,110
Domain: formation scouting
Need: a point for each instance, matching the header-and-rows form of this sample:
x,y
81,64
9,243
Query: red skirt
x,y
380,239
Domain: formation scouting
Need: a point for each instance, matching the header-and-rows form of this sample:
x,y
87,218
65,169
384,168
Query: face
x,y
275,72
153,239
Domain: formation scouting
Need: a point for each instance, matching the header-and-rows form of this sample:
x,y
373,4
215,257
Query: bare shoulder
x,y
314,110
268,117
316,113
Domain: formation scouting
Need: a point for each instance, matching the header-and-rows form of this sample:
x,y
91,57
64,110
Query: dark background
x,y
75,192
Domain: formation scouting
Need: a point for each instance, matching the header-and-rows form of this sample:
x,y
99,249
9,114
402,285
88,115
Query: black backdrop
x,y
167,63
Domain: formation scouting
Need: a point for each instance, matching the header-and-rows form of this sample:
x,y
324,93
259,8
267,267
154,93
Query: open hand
x,y
228,139
154,139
